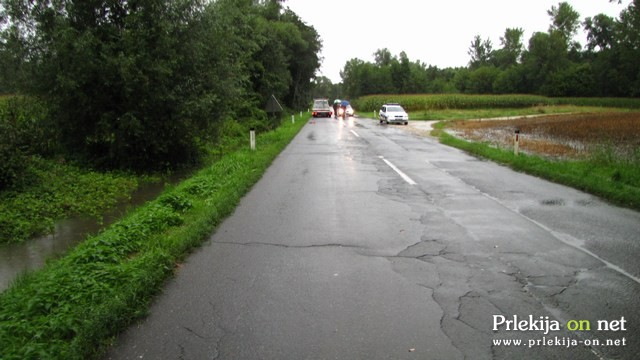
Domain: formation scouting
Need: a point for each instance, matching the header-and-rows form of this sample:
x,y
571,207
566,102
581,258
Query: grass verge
x,y
72,307
617,182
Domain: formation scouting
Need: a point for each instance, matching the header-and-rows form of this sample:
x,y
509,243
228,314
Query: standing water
x,y
16,259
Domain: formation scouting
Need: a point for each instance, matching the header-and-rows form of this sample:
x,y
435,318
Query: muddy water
x,y
16,259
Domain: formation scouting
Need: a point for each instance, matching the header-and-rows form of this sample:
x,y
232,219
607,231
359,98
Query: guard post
x,y
516,142
252,138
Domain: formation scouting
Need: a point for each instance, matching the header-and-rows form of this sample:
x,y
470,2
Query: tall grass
x,y
71,308
460,101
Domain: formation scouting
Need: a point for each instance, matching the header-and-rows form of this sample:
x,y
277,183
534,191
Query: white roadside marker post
x,y
516,143
252,138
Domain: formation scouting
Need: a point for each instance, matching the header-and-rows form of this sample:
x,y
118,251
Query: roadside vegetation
x,y
98,95
75,305
146,85
104,96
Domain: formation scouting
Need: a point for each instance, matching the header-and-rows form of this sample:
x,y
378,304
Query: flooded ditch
x,y
16,259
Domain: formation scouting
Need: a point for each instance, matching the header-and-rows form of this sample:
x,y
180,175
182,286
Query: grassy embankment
x,y
75,305
601,171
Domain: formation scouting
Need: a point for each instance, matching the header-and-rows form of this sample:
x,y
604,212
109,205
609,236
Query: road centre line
x,y
403,175
355,133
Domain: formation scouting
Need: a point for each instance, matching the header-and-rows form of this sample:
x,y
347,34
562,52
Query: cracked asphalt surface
x,y
335,255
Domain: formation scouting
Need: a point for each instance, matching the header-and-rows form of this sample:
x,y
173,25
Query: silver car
x,y
393,113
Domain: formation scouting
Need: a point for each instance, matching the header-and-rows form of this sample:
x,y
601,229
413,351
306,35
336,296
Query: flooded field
x,y
571,136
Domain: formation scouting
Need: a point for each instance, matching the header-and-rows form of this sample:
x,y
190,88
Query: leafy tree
x,y
352,75
547,53
511,50
143,84
629,46
323,88
480,52
401,73
286,57
566,21
383,57
511,81
461,80
303,60
601,32
481,80
575,80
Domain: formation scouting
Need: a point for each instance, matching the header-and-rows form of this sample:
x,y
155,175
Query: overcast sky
x,y
435,32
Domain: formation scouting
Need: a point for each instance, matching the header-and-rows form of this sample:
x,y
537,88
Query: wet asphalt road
x,y
364,241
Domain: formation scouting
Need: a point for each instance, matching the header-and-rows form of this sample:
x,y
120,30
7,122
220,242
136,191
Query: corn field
x,y
459,101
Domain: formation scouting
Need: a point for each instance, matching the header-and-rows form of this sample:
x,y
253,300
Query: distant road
x,y
365,241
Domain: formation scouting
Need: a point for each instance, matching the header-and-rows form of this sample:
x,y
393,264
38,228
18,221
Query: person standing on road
x,y
336,105
343,105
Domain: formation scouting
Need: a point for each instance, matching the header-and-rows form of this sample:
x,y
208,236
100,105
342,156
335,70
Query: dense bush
x,y
144,84
23,132
12,158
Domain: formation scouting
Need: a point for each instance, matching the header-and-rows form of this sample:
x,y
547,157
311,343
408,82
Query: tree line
x,y
553,63
146,84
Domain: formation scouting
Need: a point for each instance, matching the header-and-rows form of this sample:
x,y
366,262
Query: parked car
x,y
321,108
393,113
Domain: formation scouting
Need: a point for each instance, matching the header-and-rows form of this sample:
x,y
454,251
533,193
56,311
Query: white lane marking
x,y
563,238
403,175
355,133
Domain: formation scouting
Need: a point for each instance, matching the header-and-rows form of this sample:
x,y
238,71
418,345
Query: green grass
x,y
613,180
73,307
